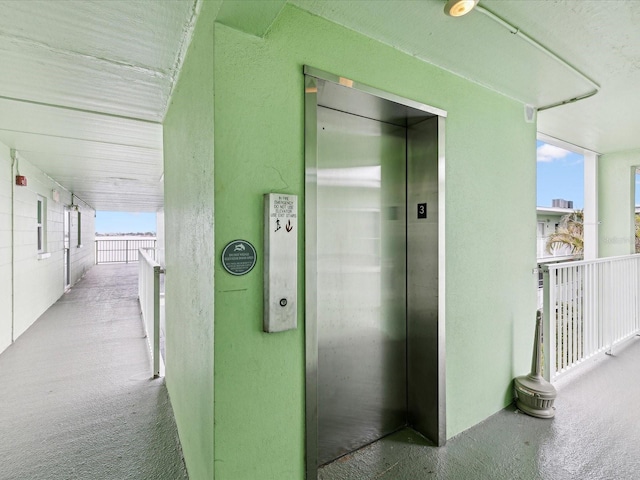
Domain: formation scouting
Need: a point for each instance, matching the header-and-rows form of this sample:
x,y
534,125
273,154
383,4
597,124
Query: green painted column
x,y
189,256
616,189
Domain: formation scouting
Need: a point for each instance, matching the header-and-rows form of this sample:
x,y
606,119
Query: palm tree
x,y
570,233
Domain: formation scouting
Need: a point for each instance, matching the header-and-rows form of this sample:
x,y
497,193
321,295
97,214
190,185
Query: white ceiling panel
x,y
72,124
114,175
82,82
80,152
84,87
141,33
118,57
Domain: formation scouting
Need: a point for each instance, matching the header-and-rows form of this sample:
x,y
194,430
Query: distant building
x,y
549,219
561,203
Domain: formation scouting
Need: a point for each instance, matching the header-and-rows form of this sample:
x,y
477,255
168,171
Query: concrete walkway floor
x,y
595,435
76,397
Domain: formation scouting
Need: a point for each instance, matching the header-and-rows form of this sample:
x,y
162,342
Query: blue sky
x,y
560,175
125,222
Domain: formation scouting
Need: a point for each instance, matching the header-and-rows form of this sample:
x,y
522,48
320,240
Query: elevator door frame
x,y
312,76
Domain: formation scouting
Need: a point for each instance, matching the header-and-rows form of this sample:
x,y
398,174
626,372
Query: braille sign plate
x,y
238,257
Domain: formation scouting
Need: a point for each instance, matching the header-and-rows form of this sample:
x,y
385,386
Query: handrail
x,y
120,250
149,295
589,306
588,262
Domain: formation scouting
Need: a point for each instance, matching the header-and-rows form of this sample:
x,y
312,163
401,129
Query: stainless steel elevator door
x,y
361,284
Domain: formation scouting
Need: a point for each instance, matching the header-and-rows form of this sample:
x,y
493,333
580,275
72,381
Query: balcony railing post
x,y
156,321
548,342
611,305
636,287
149,294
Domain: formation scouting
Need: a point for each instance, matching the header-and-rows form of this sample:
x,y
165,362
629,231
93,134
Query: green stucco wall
x,y
188,155
490,229
616,179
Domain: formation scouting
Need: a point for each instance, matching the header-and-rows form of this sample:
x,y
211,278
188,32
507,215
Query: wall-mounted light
x,y
457,8
21,180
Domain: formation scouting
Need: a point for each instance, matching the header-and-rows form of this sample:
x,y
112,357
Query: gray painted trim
x,y
311,274
442,303
314,72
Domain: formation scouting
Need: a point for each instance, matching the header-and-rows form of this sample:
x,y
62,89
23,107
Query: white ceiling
x,y
84,85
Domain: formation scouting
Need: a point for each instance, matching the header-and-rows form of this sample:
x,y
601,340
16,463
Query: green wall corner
x,y
189,220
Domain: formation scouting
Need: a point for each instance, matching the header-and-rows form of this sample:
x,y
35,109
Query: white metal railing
x,y
121,250
149,294
548,261
589,306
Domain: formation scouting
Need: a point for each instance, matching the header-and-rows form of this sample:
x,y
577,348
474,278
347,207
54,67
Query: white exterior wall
x,y
36,281
5,248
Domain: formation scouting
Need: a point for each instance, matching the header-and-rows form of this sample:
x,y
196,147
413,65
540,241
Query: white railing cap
x,y
577,263
143,252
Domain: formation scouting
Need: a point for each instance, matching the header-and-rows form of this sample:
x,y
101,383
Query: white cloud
x,y
549,153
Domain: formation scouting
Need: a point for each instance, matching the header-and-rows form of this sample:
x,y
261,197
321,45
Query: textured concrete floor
x,y
594,436
76,397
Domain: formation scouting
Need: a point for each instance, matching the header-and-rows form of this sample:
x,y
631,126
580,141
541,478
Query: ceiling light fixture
x,y
458,8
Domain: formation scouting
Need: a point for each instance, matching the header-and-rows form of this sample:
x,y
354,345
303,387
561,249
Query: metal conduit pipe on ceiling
x,y
516,31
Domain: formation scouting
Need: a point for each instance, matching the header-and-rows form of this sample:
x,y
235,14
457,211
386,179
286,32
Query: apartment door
x,y
67,247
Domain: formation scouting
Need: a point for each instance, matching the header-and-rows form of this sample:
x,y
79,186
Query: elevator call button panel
x,y
280,262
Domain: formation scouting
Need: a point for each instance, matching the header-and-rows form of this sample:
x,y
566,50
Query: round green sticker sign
x,y
238,257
